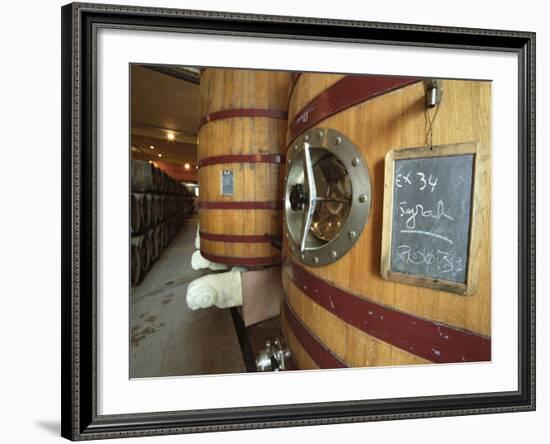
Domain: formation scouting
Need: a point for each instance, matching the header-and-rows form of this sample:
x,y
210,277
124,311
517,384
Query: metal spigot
x,y
273,357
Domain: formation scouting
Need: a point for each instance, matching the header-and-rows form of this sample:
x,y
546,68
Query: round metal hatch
x,y
327,196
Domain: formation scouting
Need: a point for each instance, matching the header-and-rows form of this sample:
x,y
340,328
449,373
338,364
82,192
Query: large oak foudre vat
x,y
241,139
338,310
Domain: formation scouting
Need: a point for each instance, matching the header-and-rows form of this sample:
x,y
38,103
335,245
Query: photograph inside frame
x,y
285,221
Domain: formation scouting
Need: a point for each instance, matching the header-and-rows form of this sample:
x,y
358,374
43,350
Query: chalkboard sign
x,y
428,216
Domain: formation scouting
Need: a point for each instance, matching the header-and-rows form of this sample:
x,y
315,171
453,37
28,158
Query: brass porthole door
x,y
327,196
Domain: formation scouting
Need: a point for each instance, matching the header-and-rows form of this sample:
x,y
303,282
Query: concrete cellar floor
x,y
166,337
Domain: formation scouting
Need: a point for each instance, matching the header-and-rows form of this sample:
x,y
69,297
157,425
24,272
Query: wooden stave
x,y
345,340
260,89
256,181
300,356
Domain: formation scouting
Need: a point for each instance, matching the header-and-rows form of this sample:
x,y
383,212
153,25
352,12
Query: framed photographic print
x,y
277,221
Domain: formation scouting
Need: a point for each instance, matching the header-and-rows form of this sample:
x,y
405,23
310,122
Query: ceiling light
x,y
159,154
186,166
171,136
152,147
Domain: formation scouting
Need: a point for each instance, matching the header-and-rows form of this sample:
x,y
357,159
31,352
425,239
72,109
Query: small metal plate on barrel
x,y
227,183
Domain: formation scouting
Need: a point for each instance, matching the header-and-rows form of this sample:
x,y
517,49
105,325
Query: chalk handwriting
x,y
444,261
411,213
430,234
402,180
424,182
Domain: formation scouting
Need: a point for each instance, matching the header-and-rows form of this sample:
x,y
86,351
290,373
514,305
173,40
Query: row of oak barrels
x,y
159,206
148,210
146,177
147,247
344,313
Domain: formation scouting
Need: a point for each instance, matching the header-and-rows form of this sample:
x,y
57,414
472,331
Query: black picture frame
x,y
79,396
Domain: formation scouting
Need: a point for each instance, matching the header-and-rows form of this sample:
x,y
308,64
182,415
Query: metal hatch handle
x,y
309,181
340,187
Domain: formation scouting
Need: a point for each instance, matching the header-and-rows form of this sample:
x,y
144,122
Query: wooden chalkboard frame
x,y
481,170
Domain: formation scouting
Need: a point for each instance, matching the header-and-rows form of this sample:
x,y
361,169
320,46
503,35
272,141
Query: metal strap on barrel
x,y
433,341
243,112
316,350
344,94
234,238
294,77
265,205
244,261
242,158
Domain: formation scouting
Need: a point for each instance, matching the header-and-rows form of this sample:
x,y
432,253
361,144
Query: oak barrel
x,y
147,211
153,245
136,254
144,176
345,314
135,213
141,244
241,139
